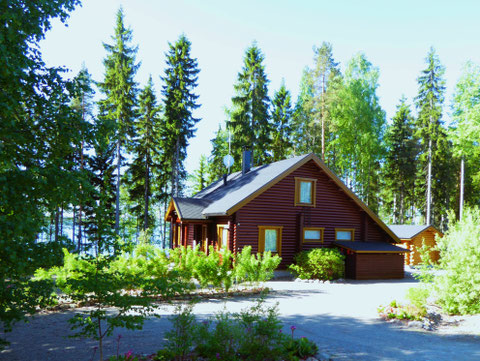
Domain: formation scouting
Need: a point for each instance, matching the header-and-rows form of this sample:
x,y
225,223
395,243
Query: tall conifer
x,y
249,118
147,147
302,118
434,176
120,90
216,168
324,71
400,160
281,124
180,101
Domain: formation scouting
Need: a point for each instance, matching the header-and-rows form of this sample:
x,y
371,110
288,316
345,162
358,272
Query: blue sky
x,y
395,36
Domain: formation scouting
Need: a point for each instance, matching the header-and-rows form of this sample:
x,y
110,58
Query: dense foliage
x,y
458,287
39,133
319,263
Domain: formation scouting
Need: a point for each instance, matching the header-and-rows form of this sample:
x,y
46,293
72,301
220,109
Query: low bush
x,y
253,334
401,312
319,263
255,268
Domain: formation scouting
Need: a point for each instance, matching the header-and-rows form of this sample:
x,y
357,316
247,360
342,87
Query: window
x,y
344,234
311,234
305,192
270,239
222,236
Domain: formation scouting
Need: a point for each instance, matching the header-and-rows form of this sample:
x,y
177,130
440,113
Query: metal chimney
x,y
246,161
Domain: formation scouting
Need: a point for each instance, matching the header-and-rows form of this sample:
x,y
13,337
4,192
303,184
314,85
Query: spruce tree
x,y
434,175
180,101
83,106
249,118
147,145
281,124
302,117
200,175
400,160
120,90
216,168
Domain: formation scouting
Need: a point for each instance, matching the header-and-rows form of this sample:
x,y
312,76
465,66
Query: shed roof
x,y
370,247
408,231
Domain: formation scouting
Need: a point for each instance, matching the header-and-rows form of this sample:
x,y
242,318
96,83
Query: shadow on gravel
x,y
347,338
343,338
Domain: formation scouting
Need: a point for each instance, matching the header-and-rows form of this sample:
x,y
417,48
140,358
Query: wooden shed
x,y
413,236
284,207
372,260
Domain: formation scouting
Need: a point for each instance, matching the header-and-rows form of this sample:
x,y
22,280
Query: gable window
x,y
305,191
312,234
344,234
270,239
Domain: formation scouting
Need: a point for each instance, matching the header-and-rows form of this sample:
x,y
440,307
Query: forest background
x,y
105,154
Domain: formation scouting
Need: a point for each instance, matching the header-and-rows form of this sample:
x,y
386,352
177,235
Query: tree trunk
x,y
147,185
462,185
429,183
73,223
61,221
117,199
80,211
57,228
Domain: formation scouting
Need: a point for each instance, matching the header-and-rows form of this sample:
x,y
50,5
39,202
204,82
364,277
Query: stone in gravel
x,y
322,356
327,282
415,324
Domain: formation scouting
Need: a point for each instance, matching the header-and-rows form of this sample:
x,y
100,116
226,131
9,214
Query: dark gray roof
x,y
222,197
373,247
191,208
407,231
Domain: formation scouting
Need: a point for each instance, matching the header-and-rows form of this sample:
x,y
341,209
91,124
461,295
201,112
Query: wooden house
x,y
413,236
285,207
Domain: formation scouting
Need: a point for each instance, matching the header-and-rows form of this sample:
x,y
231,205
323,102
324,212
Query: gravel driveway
x,y
340,317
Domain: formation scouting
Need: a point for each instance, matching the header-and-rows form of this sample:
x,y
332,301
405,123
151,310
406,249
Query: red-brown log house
x,y
288,206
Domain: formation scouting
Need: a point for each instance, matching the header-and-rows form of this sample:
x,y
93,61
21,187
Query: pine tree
x,y
120,91
281,124
249,118
434,175
325,70
400,160
179,103
146,149
215,166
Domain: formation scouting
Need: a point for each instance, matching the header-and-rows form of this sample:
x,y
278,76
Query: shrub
x,y
458,288
253,334
319,263
255,268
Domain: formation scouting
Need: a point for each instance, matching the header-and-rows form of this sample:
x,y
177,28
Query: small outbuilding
x,y
413,237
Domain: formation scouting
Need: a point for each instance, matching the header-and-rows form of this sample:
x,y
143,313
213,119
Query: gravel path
x,y
341,318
